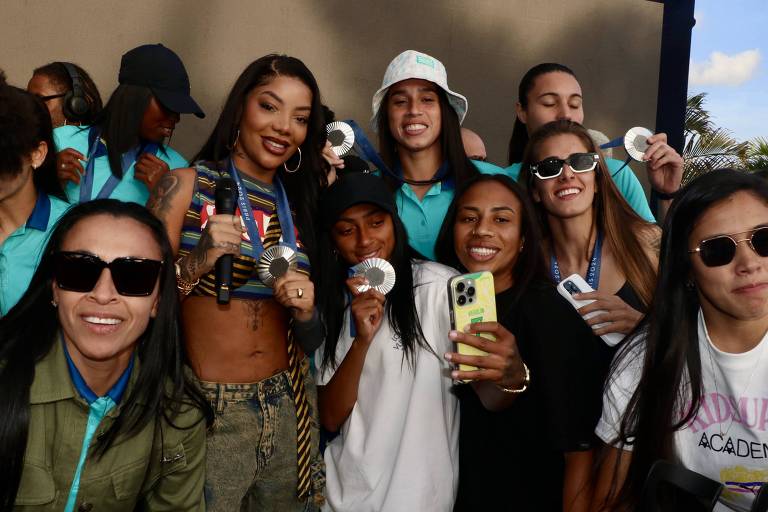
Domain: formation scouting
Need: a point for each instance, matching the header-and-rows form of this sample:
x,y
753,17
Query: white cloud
x,y
722,69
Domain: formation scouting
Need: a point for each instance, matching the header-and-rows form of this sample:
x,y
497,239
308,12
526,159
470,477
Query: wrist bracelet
x,y
185,287
664,195
526,383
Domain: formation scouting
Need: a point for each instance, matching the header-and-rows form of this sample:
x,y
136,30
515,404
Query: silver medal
x,y
341,137
636,142
378,272
274,263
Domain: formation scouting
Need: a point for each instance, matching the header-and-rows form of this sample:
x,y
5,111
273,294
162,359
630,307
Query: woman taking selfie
x,y
31,199
96,410
688,387
248,354
590,229
533,447
383,381
123,154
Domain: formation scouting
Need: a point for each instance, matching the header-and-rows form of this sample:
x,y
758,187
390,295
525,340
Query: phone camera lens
x,y
470,291
571,287
461,300
460,287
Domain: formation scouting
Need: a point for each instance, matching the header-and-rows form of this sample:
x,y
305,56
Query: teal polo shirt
x,y
625,181
424,217
129,189
21,252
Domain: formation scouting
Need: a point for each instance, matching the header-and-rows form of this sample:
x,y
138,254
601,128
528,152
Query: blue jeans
x,y
251,457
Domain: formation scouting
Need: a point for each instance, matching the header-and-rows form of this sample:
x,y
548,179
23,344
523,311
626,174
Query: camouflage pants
x,y
251,448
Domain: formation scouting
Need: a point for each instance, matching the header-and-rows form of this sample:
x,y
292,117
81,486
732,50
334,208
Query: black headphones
x,y
76,105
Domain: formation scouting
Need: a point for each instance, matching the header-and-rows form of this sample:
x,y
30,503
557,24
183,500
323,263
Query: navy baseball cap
x,y
161,70
355,188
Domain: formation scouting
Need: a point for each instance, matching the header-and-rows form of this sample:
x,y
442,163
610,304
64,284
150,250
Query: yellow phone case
x,y
469,308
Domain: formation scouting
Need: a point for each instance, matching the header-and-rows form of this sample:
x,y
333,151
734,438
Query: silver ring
x,y
63,166
299,292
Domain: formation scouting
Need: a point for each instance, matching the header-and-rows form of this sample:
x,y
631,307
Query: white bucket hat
x,y
413,64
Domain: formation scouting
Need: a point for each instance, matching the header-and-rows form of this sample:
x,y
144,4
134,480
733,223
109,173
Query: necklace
x,y
714,376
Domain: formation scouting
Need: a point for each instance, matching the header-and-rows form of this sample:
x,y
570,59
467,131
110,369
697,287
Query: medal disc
x,y
636,142
341,137
274,263
378,272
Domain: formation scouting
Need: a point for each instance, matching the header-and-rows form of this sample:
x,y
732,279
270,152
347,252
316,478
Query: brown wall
x,y
486,45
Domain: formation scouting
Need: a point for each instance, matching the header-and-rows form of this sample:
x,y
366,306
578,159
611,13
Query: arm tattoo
x,y
162,195
196,260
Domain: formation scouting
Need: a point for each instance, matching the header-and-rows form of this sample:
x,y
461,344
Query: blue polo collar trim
x,y
41,213
116,393
443,174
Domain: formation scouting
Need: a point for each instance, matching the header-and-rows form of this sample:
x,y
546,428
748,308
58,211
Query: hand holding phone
x,y
472,300
576,284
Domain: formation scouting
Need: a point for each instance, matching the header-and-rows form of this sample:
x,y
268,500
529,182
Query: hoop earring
x,y
297,166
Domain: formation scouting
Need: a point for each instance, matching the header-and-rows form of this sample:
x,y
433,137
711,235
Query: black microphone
x,y
225,204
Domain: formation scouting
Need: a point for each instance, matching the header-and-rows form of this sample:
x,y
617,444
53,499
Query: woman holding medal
x,y
248,355
123,155
383,381
531,448
550,92
691,385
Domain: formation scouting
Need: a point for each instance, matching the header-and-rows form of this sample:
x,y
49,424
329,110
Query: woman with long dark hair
x,y
550,92
418,118
31,199
248,355
96,410
123,153
691,385
533,447
384,383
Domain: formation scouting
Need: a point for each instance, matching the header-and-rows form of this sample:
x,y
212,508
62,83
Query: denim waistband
x,y
219,393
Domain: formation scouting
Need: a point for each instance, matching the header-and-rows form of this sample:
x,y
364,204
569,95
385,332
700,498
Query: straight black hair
x,y
302,186
57,73
24,124
461,167
529,266
519,138
120,122
29,330
671,376
330,278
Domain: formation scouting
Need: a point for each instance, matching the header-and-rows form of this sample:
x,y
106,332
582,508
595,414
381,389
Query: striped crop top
x,y
245,281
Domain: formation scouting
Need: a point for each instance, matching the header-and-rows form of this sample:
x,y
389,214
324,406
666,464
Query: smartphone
x,y
576,284
472,300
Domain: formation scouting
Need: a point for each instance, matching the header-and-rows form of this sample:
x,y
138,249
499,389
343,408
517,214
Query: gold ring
x,y
299,292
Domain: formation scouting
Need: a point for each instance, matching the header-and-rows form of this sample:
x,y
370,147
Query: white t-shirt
x,y
727,441
398,450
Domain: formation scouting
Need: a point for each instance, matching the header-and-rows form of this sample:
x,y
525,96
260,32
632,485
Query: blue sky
x,y
729,61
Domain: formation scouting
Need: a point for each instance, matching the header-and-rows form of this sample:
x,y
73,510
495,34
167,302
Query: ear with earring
x,y
285,164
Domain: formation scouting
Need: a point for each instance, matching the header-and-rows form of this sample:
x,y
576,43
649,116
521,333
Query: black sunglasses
x,y
720,250
553,167
79,272
52,96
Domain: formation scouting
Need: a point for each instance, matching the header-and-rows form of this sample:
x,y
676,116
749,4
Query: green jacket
x,y
160,468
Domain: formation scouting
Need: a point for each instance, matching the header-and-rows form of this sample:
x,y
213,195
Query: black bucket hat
x,y
353,189
161,70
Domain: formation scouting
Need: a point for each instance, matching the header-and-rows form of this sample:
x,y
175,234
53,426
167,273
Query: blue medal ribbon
x,y
98,148
246,211
615,143
593,272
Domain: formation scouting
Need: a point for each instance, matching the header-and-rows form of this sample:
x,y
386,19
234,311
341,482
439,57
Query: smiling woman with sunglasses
x,y
691,387
97,413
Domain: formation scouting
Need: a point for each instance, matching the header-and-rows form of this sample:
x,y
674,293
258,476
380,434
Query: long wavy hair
x,y
617,221
57,73
24,124
29,330
529,266
461,167
519,138
671,378
400,306
303,186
